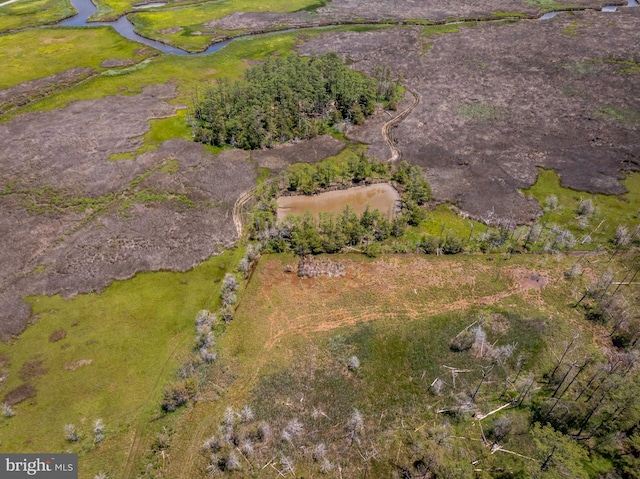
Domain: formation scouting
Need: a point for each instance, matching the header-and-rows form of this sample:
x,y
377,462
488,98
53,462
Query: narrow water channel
x,y
124,27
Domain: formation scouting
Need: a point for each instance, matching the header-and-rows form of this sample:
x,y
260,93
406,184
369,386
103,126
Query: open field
x,y
289,347
487,118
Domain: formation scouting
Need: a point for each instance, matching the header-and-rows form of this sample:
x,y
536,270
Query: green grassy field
x,y
120,349
37,53
31,13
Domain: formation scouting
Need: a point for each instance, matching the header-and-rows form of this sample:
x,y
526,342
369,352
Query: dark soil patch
x,y
311,151
19,394
149,217
5,360
493,108
27,92
57,335
117,62
32,369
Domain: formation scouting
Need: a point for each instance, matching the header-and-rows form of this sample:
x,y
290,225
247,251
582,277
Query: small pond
x,y
381,196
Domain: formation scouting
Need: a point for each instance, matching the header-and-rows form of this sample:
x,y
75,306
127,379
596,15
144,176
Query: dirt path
x,y
237,209
396,154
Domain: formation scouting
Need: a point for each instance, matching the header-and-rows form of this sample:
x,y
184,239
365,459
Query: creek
x,y
124,27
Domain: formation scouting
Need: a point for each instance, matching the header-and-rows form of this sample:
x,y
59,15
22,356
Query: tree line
x,y
286,98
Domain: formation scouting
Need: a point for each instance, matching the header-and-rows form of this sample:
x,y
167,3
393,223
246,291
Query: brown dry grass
x,y
57,335
386,289
32,369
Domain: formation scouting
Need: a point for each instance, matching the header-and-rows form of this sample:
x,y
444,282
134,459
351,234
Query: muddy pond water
x,y
381,196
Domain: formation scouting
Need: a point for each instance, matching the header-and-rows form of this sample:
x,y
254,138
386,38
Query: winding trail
x,y
238,207
396,154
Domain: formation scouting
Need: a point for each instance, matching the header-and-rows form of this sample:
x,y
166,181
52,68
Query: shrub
x,y
585,208
98,431
451,245
178,395
7,410
551,202
70,433
462,341
621,236
353,363
292,430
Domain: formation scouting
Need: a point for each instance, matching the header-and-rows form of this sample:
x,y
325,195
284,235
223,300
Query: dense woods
x,y
286,98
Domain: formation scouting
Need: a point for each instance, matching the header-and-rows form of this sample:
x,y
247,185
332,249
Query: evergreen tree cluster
x,y
286,98
310,178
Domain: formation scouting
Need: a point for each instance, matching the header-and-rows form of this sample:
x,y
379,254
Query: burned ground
x,y
494,107
72,221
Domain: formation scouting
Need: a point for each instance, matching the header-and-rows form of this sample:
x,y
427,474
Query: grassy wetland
x,y
158,319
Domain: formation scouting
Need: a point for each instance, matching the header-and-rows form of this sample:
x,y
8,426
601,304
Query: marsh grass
x,y
192,18
132,337
625,116
610,210
479,111
37,53
31,13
